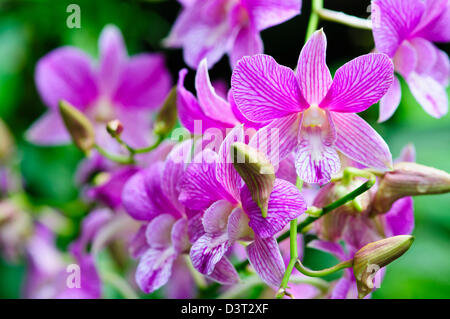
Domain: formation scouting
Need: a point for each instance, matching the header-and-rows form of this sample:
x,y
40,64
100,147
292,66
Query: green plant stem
x,y
319,283
316,6
344,19
292,261
149,148
323,272
115,158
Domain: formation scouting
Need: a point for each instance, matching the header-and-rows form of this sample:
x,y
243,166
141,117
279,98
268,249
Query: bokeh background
x,y
30,29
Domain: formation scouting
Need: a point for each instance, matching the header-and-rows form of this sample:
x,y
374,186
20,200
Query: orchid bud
x,y
167,116
330,226
374,256
114,128
409,179
6,142
257,173
78,125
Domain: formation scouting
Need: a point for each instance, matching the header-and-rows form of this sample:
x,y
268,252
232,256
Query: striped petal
x,y
359,83
264,90
313,74
360,142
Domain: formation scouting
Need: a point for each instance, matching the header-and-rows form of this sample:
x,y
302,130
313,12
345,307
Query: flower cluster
x,y
280,155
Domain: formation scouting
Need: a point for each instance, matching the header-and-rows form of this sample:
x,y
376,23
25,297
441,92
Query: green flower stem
x,y
294,256
319,283
316,6
120,285
115,158
323,272
149,148
344,19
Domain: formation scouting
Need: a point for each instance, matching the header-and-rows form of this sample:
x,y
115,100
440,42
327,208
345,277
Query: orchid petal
x,y
138,245
66,74
158,231
224,273
264,90
208,250
285,204
266,14
265,257
441,70
406,59
427,55
49,129
144,83
434,23
341,289
360,142
179,236
400,218
248,42
390,102
429,93
313,74
359,83
329,247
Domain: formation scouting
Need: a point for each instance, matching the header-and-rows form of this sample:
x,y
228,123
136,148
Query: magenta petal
x,y
313,75
135,198
427,55
154,269
278,139
138,245
216,216
144,83
248,42
49,129
66,74
434,23
408,154
390,102
359,83
265,257
285,204
406,59
224,273
441,70
158,231
266,14
181,285
430,94
237,227
264,90
342,288
212,104
400,218
316,159
360,142
113,56
208,250
227,176
393,21
179,236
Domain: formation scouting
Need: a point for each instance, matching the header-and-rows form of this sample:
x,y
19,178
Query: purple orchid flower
x,y
151,196
209,108
210,28
212,184
405,30
104,93
311,113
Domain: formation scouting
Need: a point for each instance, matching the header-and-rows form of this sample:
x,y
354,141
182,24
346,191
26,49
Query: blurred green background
x,y
30,29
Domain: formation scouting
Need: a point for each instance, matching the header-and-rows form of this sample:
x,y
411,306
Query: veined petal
x,y
224,273
359,83
215,219
264,90
237,227
329,247
158,231
113,56
430,94
199,186
49,129
208,250
144,82
278,139
265,257
154,269
285,204
315,157
434,23
248,42
313,74
265,14
390,102
212,104
400,218
227,176
66,74
360,142
189,110
393,21
239,116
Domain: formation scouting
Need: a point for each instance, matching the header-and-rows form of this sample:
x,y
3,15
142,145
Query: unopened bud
x,y
78,125
167,116
409,179
374,256
256,171
6,142
114,128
